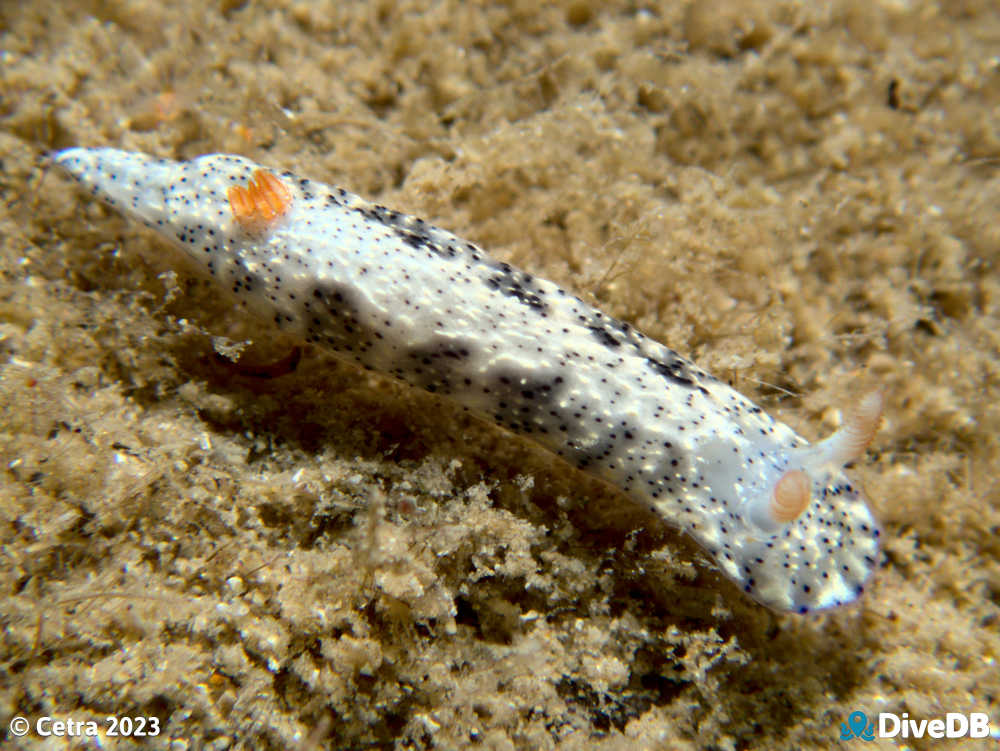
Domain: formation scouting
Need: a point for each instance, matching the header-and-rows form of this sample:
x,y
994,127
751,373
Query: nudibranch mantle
x,y
392,293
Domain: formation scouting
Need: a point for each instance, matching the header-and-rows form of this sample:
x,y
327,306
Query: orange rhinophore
x,y
257,206
791,496
860,426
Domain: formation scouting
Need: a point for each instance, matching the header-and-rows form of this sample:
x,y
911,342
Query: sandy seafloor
x,y
803,197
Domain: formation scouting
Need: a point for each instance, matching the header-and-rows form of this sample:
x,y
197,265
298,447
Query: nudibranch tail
x,y
396,295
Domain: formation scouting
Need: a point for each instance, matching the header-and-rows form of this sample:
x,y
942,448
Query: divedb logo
x,y
891,725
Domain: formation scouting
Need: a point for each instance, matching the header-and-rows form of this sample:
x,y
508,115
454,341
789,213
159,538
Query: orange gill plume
x,y
257,206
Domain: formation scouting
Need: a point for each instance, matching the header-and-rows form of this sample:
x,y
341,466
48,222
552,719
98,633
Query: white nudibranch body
x,y
399,296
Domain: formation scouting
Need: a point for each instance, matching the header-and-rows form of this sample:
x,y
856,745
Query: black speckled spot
x,y
604,336
416,241
414,232
335,297
677,370
522,403
330,318
519,285
417,238
438,367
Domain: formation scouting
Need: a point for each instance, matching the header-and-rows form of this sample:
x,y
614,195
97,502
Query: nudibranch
x,y
394,294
